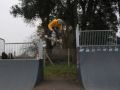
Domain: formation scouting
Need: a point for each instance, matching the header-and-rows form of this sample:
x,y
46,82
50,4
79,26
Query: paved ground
x,y
59,84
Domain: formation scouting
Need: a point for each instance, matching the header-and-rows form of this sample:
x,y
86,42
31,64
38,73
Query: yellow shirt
x,y
54,23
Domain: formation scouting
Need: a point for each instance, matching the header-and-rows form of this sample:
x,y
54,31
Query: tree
x,y
98,14
94,14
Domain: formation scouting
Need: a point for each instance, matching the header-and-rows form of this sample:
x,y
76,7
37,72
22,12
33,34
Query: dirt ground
x,y
59,84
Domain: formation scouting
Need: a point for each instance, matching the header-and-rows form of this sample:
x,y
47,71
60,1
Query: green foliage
x,y
31,9
98,14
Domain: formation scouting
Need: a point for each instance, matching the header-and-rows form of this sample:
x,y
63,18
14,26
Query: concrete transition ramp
x,y
99,67
20,74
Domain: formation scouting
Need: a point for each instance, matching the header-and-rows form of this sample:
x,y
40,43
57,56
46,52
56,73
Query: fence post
x,y
44,56
68,57
77,35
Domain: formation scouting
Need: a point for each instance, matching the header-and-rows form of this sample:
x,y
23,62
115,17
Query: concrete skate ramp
x,y
19,74
100,68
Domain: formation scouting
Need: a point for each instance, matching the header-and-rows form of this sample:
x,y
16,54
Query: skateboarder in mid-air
x,y
55,26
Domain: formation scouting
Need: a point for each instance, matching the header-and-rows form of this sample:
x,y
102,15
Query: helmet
x,y
52,17
60,21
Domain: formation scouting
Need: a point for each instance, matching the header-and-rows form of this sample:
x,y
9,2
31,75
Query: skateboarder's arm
x,y
52,24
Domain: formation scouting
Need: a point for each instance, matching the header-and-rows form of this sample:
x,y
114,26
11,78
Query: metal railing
x,y
2,46
21,50
97,38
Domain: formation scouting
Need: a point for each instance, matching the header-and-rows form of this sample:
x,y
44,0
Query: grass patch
x,y
60,70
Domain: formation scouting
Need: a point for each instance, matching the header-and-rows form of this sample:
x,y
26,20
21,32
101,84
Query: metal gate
x,y
97,38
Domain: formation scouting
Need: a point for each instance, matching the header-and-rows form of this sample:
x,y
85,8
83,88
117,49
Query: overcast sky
x,y
13,29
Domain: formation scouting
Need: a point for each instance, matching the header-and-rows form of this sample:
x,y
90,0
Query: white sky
x,y
13,29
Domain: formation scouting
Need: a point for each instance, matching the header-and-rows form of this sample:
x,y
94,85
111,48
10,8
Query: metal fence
x,y
21,50
97,38
2,46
